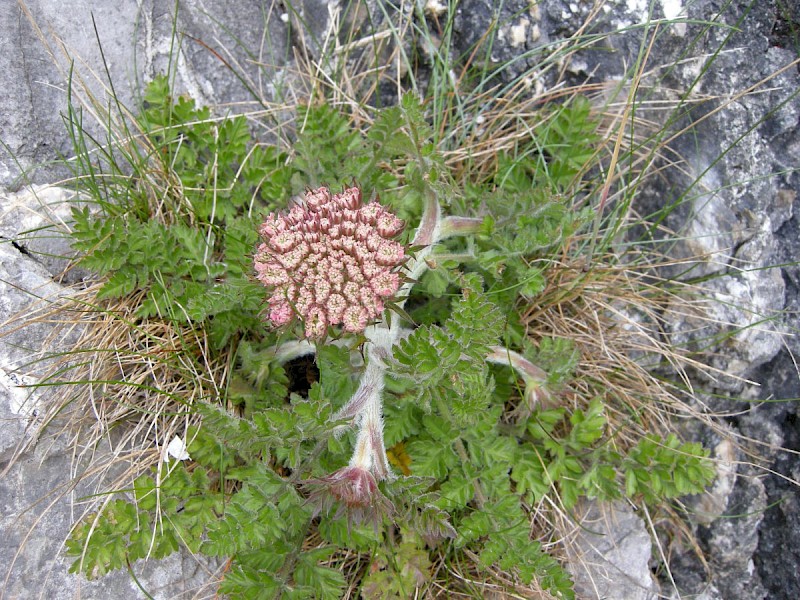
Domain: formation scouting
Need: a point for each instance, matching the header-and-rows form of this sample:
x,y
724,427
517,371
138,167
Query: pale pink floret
x,y
348,227
389,225
353,271
289,260
304,302
362,253
336,306
351,290
284,241
334,276
330,261
350,198
318,197
281,313
386,284
296,215
371,212
371,302
373,242
316,322
362,231
371,270
390,253
271,274
355,318
268,229
322,290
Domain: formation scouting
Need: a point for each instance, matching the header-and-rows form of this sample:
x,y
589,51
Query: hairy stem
x,y
452,226
365,407
534,377
293,349
500,355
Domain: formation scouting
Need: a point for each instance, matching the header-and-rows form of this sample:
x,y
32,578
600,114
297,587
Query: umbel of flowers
x,y
330,260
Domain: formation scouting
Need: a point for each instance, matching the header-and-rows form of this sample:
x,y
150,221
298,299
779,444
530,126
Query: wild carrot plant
x,y
359,394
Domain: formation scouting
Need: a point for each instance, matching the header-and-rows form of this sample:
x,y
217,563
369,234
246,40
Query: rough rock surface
x,y
215,59
735,190
745,155
611,553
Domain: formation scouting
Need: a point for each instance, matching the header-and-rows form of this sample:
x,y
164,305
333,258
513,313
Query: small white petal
x,y
177,449
434,8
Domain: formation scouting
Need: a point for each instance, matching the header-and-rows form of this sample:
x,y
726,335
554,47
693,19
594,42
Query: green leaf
x,y
542,423
250,584
429,459
528,472
587,427
120,284
456,492
339,532
666,468
327,583
448,363
336,373
402,421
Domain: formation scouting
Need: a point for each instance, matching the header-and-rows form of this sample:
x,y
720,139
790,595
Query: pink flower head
x,y
355,491
330,261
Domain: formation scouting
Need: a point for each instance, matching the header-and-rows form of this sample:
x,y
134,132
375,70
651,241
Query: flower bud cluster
x,y
354,491
330,260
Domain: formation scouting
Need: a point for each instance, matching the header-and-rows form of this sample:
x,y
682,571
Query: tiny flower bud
x,y
355,319
355,491
280,313
370,212
385,284
283,241
389,225
318,197
362,231
336,307
315,322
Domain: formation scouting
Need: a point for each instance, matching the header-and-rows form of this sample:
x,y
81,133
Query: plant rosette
x,y
332,260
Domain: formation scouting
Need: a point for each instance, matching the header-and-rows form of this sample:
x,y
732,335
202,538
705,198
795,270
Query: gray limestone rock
x,y
230,54
774,424
731,181
35,36
39,509
745,158
732,540
610,555
35,222
20,286
729,544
